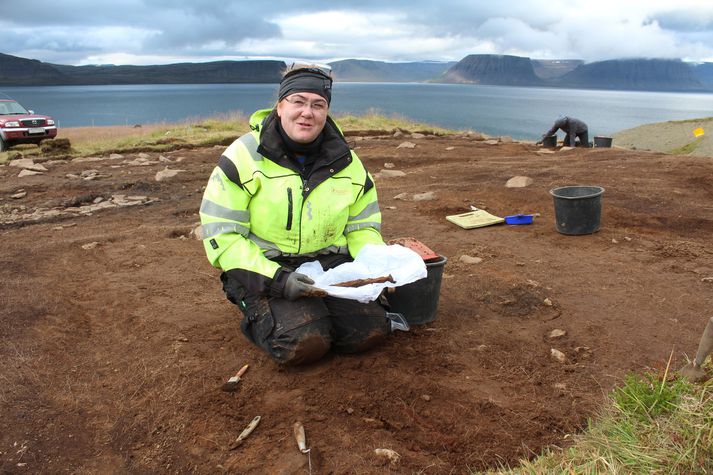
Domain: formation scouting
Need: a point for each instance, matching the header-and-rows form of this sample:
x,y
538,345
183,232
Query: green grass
x,y
376,120
688,148
650,424
218,130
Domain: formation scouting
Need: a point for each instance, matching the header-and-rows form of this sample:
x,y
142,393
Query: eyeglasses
x,y
321,69
300,102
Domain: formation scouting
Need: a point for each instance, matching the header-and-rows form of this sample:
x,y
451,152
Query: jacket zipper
x,y
289,209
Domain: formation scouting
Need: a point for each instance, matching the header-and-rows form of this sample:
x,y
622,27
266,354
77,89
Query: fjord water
x,y
522,113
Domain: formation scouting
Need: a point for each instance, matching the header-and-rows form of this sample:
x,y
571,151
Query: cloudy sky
x,y
166,31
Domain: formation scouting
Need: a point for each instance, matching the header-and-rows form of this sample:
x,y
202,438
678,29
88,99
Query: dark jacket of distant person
x,y
573,128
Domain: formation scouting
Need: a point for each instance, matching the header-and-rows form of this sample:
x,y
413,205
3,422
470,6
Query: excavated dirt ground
x,y
116,337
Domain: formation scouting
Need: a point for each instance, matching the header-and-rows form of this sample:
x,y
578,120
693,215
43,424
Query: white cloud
x,y
152,31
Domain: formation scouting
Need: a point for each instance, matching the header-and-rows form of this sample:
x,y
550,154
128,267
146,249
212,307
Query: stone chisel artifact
x,y
245,433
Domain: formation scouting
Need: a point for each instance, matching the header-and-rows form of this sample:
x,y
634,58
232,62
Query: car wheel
x,y
3,145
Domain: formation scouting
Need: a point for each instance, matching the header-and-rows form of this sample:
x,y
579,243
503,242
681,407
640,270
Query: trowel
x,y
693,371
299,431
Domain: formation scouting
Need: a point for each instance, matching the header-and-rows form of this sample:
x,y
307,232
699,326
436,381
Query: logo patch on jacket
x,y
216,178
340,191
213,244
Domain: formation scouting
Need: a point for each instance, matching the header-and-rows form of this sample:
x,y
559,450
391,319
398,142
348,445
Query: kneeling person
x,y
576,131
288,192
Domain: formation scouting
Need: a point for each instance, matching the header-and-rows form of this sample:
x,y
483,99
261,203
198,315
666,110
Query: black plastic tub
x,y
578,209
418,301
604,142
549,141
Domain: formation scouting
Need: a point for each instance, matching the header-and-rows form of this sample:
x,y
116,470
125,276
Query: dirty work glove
x,y
298,285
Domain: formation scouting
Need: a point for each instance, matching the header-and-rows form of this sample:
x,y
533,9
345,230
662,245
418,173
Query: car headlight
x,y
50,122
14,123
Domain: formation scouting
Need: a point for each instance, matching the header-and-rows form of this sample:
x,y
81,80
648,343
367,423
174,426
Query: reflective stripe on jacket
x,y
258,207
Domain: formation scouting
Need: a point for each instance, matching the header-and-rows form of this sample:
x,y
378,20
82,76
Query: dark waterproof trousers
x,y
583,139
302,331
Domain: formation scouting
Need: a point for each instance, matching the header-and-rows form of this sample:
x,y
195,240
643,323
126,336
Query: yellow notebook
x,y
474,219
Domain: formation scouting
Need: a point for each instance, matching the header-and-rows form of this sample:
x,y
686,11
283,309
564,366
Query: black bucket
x,y
578,209
604,142
418,301
549,141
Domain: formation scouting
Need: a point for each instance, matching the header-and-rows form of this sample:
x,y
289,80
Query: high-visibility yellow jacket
x,y
258,208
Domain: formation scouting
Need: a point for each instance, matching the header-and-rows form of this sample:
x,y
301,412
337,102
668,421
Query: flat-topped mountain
x,y
214,72
636,74
16,71
21,71
622,74
492,69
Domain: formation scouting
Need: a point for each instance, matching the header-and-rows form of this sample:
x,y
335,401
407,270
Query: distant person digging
x,y
573,128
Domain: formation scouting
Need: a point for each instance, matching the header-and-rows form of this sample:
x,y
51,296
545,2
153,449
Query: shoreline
x,y
675,137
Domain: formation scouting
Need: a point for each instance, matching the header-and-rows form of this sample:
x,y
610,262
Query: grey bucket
x,y
578,209
418,301
603,142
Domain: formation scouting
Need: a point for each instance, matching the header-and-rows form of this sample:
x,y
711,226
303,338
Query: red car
x,y
18,125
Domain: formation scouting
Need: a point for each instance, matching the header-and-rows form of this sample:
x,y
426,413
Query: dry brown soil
x,y
113,356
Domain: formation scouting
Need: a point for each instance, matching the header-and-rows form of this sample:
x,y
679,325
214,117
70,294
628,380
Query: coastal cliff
x,y
487,69
492,69
633,74
16,71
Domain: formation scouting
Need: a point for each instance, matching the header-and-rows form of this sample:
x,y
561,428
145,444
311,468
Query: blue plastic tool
x,y
519,219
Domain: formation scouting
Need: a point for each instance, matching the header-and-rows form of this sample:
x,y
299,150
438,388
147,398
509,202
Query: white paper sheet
x,y
403,264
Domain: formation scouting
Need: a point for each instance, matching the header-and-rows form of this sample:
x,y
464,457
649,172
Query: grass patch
x,y
650,424
688,148
216,130
690,121
377,120
18,151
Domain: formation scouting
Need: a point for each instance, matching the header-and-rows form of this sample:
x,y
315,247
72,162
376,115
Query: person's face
x,y
303,115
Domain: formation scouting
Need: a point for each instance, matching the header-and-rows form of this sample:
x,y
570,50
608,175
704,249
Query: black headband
x,y
306,80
